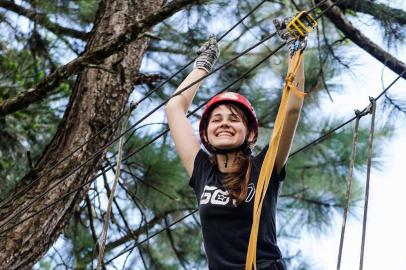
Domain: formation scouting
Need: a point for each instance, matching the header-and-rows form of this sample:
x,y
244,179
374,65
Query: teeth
x,y
224,134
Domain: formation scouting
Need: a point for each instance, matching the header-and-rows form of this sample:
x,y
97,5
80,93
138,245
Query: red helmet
x,y
233,98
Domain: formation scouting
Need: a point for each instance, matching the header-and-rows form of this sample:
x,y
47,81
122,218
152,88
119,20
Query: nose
x,y
224,123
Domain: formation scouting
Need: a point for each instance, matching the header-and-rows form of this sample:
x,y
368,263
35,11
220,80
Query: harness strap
x,y
269,161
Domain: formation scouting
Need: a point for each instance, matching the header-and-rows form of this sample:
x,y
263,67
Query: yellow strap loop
x,y
269,161
289,82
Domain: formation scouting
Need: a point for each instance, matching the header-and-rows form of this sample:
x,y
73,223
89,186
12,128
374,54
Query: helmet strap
x,y
244,147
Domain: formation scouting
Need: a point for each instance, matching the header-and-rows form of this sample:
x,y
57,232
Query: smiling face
x,y
227,127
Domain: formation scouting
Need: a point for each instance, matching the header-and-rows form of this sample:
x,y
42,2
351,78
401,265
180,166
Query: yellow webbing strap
x,y
269,161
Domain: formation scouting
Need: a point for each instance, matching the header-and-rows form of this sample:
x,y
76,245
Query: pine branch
x,y
130,235
375,9
339,20
43,20
94,56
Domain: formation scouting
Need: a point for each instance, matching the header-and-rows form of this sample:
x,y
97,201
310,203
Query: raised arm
x,y
294,107
186,141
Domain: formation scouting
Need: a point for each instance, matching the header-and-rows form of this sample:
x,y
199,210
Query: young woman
x,y
225,174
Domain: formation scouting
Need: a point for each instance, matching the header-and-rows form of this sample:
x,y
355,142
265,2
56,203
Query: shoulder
x,y
201,164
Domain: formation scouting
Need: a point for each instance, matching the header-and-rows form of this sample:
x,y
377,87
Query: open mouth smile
x,y
224,134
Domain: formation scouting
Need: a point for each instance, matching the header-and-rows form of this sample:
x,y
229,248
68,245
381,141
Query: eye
x,y
234,118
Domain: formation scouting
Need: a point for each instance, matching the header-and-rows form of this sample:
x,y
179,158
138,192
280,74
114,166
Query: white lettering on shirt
x,y
217,196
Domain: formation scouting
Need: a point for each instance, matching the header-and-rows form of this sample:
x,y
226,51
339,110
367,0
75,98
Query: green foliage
x,y
153,183
27,130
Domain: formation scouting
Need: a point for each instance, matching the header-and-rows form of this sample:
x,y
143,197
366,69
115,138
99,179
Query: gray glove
x,y
208,54
283,33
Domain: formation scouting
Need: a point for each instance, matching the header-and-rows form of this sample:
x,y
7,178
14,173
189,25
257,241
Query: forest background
x,y
69,68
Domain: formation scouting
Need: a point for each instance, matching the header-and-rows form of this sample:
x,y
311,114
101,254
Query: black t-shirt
x,y
226,228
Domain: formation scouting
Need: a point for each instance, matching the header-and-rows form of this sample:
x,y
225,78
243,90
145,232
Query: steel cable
x,y
130,109
362,113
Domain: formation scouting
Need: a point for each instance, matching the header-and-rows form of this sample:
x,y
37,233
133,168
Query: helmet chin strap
x,y
244,147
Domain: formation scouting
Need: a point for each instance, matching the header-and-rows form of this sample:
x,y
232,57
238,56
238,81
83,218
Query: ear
x,y
250,137
205,136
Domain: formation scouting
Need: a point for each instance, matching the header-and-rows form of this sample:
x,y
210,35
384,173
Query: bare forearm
x,y
294,107
184,100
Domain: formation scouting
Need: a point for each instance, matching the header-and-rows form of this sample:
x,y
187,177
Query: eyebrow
x,y
228,114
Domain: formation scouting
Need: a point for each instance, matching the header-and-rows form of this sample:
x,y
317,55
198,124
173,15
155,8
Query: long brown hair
x,y
236,183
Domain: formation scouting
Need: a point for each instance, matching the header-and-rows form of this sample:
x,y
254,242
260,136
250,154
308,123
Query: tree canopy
x,y
71,70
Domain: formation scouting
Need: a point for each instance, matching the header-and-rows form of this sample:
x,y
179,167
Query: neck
x,y
228,163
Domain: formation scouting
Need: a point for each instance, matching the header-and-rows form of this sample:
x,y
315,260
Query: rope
x,y
134,125
97,153
113,190
349,182
361,114
110,167
132,107
370,142
151,236
270,157
302,149
317,140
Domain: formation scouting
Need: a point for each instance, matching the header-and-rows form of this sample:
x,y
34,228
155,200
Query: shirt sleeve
x,y
199,163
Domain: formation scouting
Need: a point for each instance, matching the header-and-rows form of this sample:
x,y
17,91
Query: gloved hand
x,y
208,54
283,33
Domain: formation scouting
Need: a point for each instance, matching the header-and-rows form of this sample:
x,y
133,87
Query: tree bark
x,y
97,98
94,55
345,26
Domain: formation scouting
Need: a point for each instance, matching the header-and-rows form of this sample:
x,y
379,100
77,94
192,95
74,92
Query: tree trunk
x,y
98,97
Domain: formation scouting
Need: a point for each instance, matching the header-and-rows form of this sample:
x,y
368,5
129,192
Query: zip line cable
x,y
314,142
318,140
132,107
97,153
360,114
104,170
151,236
370,142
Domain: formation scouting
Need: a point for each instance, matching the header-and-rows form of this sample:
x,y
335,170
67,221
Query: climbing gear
x,y
294,30
296,27
208,54
224,98
296,45
269,161
301,25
